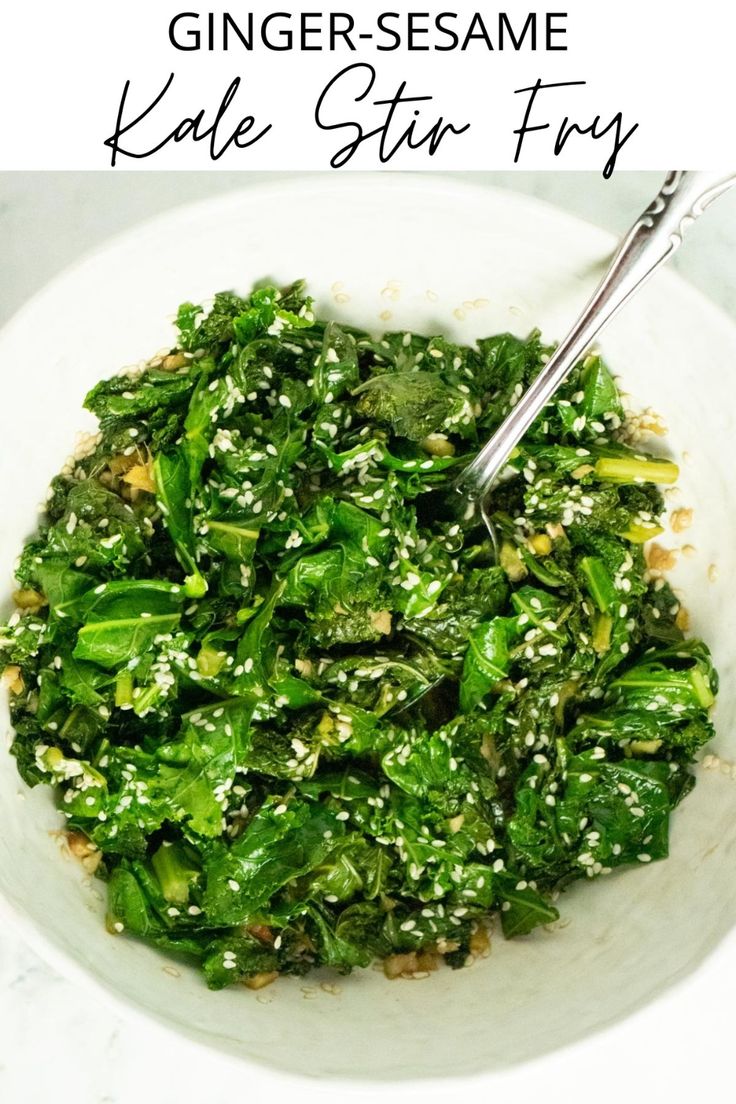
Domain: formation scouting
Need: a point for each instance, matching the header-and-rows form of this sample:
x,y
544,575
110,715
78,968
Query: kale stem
x,y
613,469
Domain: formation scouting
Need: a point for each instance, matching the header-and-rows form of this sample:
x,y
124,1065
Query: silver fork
x,y
651,241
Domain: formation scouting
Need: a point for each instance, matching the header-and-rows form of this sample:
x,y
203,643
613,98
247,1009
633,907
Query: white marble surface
x,y
57,1041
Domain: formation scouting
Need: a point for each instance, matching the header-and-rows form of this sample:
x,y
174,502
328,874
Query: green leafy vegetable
x,y
287,692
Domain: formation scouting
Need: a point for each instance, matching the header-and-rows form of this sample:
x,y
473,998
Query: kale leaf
x,y
287,694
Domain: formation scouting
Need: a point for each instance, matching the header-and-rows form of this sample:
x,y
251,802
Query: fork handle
x,y
652,240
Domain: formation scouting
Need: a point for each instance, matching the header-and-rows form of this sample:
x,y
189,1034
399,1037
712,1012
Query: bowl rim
x,y
33,933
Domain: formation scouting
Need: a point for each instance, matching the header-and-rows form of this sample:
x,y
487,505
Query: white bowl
x,y
470,261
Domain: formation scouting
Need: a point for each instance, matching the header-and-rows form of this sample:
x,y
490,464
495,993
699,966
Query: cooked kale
x,y
278,681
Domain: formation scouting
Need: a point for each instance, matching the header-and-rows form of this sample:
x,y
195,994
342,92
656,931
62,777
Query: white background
x,y
59,1043
47,220
663,63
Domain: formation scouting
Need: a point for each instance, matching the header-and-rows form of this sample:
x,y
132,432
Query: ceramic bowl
x,y
387,251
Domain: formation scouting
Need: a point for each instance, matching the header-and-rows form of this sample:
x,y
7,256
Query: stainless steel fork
x,y
651,241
